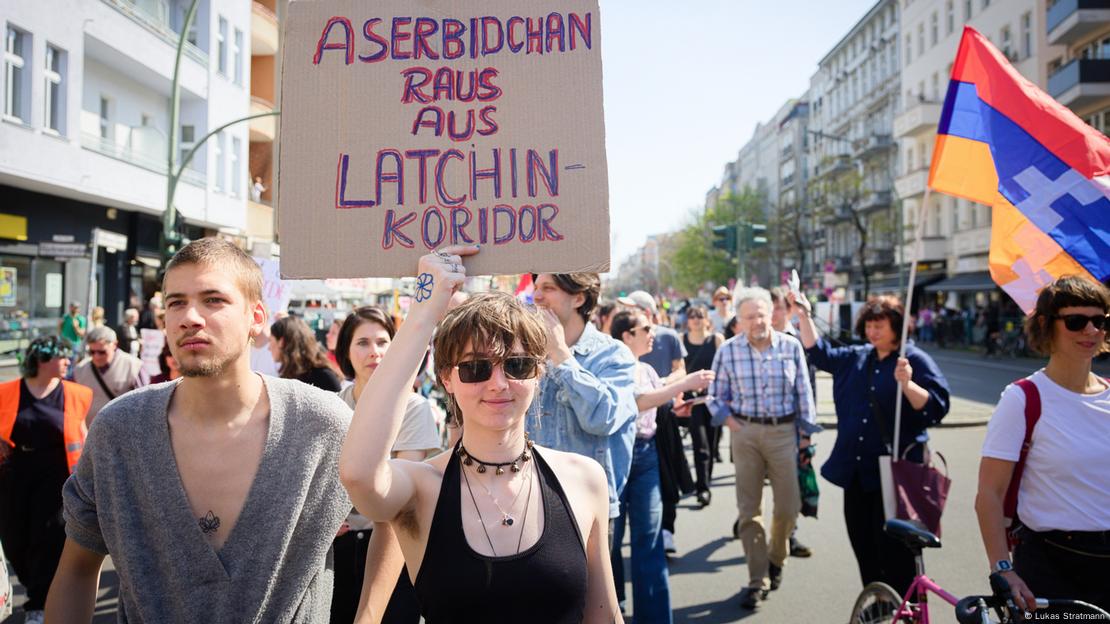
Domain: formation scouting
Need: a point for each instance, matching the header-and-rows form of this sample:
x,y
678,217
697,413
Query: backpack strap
x,y
1032,415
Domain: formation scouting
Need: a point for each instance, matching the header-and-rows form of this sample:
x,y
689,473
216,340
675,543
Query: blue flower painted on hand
x,y
424,285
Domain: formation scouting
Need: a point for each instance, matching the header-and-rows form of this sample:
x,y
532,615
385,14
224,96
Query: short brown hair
x,y
490,323
217,252
589,284
364,314
1065,292
881,307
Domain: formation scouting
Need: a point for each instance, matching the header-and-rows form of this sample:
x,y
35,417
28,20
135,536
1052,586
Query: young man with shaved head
x,y
217,495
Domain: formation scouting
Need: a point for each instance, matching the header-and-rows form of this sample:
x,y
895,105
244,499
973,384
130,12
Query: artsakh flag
x,y
524,288
1005,143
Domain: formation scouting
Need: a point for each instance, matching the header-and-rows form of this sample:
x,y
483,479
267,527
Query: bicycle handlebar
x,y
976,609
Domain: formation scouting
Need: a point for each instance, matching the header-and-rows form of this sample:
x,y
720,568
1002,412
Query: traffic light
x,y
757,235
724,237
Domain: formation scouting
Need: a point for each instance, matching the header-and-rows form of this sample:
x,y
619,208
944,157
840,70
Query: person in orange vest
x,y
42,432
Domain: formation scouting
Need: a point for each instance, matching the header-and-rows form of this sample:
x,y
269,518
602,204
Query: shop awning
x,y
893,283
978,281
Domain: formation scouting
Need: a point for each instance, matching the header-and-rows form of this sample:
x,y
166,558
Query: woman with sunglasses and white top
x,y
1063,501
497,529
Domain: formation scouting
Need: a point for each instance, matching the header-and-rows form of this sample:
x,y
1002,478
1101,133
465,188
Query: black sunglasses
x,y
516,367
1078,322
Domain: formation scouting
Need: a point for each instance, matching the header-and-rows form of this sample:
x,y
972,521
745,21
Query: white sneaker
x,y
34,617
668,542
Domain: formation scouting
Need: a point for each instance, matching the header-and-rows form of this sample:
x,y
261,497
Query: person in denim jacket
x,y
586,403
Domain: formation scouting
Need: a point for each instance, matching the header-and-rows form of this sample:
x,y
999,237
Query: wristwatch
x,y
1003,565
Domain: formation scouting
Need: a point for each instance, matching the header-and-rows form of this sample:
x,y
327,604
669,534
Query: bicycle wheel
x,y
877,604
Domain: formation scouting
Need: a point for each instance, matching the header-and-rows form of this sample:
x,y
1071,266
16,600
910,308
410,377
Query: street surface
x,y
709,570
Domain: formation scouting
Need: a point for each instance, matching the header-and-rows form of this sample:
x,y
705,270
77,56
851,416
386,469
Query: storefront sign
x,y
110,240
64,250
408,126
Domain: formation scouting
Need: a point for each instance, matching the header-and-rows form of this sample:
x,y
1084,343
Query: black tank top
x,y
545,583
700,357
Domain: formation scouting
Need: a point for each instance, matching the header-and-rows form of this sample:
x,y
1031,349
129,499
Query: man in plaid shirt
x,y
762,394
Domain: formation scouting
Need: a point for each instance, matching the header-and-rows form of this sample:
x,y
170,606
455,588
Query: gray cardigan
x,y
125,499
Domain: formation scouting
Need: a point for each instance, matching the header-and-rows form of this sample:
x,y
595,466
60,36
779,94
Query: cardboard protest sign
x,y
408,125
275,292
153,340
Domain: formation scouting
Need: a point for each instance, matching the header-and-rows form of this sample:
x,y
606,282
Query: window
x,y
221,162
188,137
949,17
1026,35
1006,43
986,3
936,87
909,48
237,56
16,93
221,47
236,174
967,10
105,118
54,112
921,38
973,214
934,29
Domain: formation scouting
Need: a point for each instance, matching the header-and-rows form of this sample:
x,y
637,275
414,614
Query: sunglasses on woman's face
x,y
516,367
640,328
1078,322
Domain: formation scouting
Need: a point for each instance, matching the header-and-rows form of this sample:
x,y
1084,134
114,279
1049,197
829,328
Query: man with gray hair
x,y
108,371
762,393
128,332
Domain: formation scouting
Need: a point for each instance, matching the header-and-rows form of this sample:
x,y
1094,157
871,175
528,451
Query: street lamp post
x,y
171,238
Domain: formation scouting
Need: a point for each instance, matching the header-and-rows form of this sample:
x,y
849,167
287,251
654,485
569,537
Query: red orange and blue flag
x,y
1005,143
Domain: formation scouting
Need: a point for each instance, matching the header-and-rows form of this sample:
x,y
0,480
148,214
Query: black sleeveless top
x,y
545,583
700,357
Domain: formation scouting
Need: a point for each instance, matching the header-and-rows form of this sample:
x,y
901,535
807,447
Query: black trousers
x,y
879,556
31,527
349,556
1054,566
702,438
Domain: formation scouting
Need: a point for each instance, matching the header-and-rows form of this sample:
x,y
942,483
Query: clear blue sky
x,y
685,84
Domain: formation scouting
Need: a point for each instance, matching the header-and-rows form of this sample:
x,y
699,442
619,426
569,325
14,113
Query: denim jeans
x,y
642,507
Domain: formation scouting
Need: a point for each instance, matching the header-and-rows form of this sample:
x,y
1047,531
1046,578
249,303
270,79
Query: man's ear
x,y
259,317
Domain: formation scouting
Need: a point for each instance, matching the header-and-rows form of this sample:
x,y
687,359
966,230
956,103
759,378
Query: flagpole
x,y
906,316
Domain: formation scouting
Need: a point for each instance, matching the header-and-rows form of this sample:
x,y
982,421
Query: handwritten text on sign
x,y
468,151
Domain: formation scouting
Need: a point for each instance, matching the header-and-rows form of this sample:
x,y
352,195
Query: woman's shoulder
x,y
575,466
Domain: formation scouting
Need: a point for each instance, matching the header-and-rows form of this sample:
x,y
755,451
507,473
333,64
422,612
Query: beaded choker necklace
x,y
514,465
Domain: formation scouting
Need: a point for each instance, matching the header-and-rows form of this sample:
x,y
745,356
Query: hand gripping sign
x,y
410,124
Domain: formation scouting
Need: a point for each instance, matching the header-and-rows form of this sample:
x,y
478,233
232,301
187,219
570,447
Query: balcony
x,y
141,150
787,153
871,145
919,117
912,184
833,164
262,128
264,30
933,248
877,257
1069,21
260,221
1081,82
155,18
874,200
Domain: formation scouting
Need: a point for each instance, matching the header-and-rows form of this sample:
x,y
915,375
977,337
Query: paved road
x,y
707,575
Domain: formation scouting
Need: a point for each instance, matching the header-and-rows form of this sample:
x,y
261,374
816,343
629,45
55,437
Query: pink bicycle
x,y
878,603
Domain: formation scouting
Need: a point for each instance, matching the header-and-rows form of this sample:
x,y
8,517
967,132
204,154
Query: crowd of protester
x,y
483,457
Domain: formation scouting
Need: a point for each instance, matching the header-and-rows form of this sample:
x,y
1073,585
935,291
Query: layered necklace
x,y
507,517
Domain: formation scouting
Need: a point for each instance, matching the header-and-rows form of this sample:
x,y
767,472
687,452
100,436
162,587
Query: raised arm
x,y
72,596
806,328
691,382
381,488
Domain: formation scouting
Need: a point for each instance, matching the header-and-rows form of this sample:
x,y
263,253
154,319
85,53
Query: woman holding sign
x,y
497,528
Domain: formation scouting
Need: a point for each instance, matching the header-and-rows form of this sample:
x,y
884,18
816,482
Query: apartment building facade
x,y
84,144
1080,76
956,233
851,157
